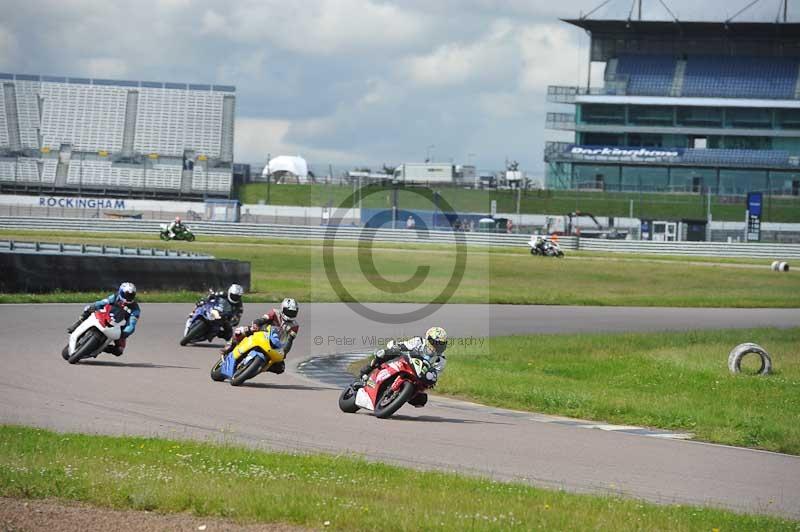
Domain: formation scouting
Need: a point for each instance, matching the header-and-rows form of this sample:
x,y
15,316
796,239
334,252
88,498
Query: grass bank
x,y
338,493
513,276
675,380
553,202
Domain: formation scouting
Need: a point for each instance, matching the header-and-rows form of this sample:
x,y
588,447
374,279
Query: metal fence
x,y
16,246
352,233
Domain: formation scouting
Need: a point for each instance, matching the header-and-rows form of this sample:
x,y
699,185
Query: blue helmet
x,y
127,292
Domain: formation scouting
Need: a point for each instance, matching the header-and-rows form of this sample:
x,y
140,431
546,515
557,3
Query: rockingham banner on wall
x,y
621,154
105,204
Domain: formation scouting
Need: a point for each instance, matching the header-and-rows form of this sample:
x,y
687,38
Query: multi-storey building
x,y
684,106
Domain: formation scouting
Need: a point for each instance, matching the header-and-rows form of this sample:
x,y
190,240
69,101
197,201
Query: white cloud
x,y
214,24
8,46
327,27
550,55
104,67
490,58
256,139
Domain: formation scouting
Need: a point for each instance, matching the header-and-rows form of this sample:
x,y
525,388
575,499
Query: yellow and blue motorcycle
x,y
254,354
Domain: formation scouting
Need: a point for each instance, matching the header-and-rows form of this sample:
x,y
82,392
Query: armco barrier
x,y
710,249
47,272
705,249
301,232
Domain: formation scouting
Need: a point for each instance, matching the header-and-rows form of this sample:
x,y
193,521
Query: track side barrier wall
x,y
48,272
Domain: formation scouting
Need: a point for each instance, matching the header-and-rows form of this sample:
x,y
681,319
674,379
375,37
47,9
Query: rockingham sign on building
x,y
82,203
115,204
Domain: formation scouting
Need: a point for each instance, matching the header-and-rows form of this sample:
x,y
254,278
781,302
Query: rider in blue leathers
x,y
125,298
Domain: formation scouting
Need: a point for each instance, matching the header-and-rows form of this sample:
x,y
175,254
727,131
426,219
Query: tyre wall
x,y
42,272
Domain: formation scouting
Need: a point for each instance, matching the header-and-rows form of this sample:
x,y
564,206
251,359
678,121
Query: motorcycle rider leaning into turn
x,y
284,320
430,348
125,298
234,297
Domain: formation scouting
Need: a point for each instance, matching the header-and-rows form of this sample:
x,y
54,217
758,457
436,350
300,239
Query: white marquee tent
x,y
287,166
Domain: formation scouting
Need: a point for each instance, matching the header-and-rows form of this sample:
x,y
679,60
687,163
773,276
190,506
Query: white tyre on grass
x,y
740,351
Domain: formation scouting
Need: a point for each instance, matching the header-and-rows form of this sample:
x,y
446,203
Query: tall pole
x,y
785,9
640,10
269,175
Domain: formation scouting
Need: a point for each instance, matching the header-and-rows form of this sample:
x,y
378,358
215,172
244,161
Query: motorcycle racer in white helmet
x,y
431,347
234,297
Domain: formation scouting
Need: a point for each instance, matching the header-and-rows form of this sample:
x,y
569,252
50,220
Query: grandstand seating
x,y
89,172
8,169
104,118
169,121
163,176
737,157
740,77
49,170
709,76
89,117
4,140
647,75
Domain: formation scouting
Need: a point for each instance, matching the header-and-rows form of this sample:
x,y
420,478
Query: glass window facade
x,y
601,114
741,181
692,179
754,118
699,116
785,183
642,115
596,176
635,178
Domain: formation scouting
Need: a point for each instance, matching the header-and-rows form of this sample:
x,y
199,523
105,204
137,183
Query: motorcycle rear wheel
x,y
86,346
390,402
347,400
247,372
197,331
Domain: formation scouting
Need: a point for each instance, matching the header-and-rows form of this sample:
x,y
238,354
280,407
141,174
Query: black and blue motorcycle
x,y
207,320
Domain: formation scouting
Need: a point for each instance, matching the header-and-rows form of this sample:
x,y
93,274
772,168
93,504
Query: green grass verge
x,y
281,268
676,380
553,202
339,493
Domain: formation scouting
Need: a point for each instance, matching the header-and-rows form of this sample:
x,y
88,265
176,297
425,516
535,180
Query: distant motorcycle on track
x,y
547,248
182,234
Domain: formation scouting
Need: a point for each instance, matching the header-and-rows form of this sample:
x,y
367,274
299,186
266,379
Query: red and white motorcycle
x,y
390,386
95,333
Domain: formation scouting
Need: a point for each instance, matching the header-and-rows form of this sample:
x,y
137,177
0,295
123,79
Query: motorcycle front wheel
x,y
163,235
347,400
216,371
87,345
247,371
197,331
190,237
390,401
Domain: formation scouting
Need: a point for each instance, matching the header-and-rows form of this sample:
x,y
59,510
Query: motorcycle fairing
x,y
112,332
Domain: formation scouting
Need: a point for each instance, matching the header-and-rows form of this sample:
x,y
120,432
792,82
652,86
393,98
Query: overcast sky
x,y
344,82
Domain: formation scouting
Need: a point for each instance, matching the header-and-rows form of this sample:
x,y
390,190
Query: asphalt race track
x,y
159,388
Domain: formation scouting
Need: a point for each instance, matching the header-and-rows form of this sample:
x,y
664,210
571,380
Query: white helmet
x,y
127,292
235,293
289,309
